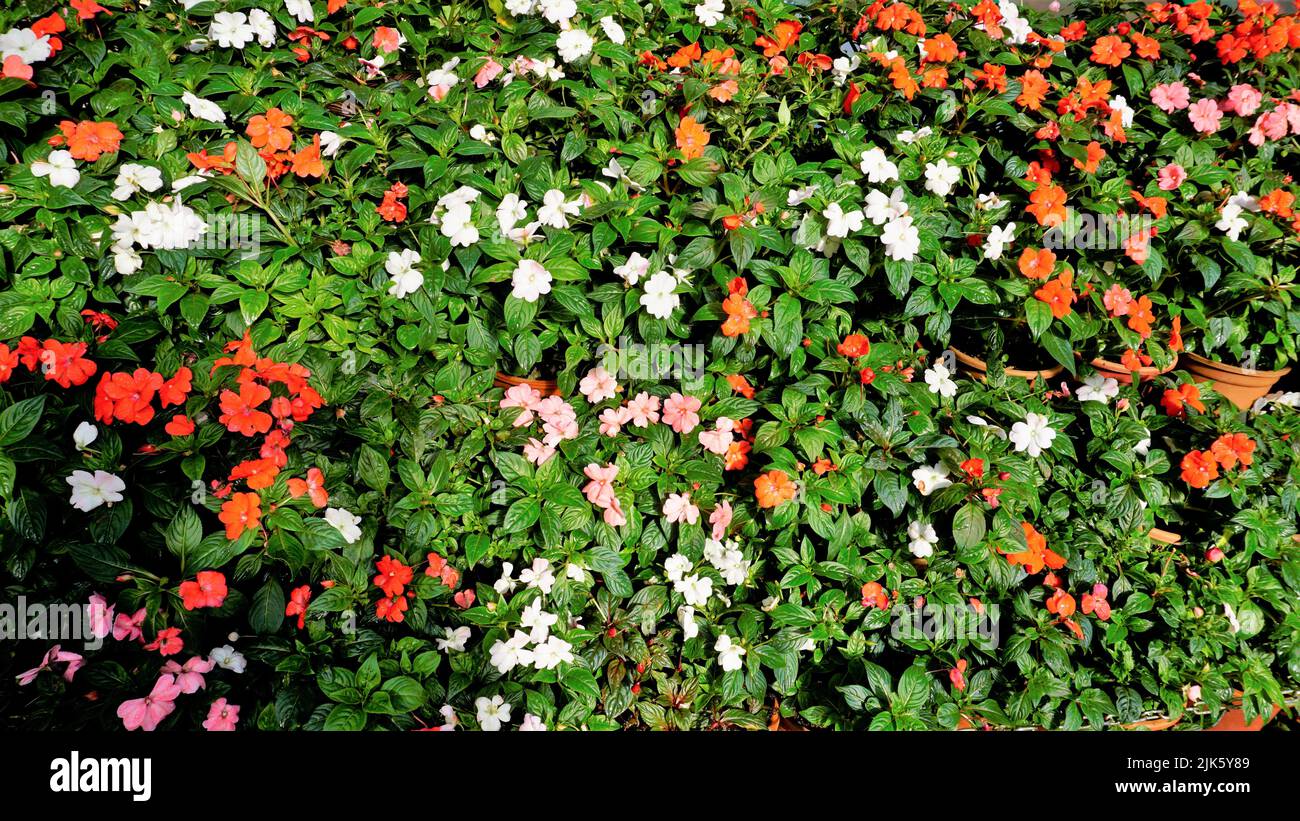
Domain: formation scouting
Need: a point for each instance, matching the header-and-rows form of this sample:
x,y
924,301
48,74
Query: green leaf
x,y
19,419
184,533
968,526
267,613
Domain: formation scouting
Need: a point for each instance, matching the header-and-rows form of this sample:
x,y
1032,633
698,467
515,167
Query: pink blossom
x,y
612,421
643,410
600,490
148,712
537,452
720,518
1171,176
719,439
53,656
485,75
1271,125
189,677
614,514
101,616
127,628
680,413
1205,115
1171,97
1117,300
222,717
1243,100
598,385
678,508
522,396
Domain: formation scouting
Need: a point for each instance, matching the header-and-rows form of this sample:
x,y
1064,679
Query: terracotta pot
x,y
1152,724
1123,376
1164,536
1241,386
546,387
977,368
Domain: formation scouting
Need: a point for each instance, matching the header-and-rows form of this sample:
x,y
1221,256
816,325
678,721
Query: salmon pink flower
x,y
207,590
148,712
222,716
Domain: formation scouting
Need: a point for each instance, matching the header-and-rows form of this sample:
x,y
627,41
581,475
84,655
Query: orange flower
x,y
225,163
208,590
685,56
1047,204
180,425
1156,205
1058,294
1061,603
993,77
1176,400
313,486
691,138
940,48
1093,159
1110,51
1033,88
1231,448
1140,316
741,385
88,140
260,473
1176,335
65,364
853,346
873,595
1037,264
1036,554
902,78
785,34
773,488
724,91
240,513
393,576
175,390
1199,468
1148,48
988,13
1132,361
238,410
393,609
739,311
270,130
126,396
307,162
737,456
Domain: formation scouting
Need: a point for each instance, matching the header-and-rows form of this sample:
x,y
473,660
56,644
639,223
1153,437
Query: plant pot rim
x,y
547,387
1146,371
1233,375
979,364
1164,536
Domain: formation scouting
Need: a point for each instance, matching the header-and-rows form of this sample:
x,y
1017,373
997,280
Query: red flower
x,y
957,676
127,396
168,642
853,346
313,486
1199,468
65,364
240,513
208,590
393,576
175,390
299,598
1176,400
393,609
259,473
873,595
238,410
180,426
1096,602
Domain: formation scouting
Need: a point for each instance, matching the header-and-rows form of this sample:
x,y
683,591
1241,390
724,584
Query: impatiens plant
x,y
545,365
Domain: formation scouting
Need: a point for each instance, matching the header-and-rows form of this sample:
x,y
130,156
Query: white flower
x,y
940,381
506,655
558,11
901,239
230,29
575,572
518,8
204,109
877,166
696,589
797,196
530,281
555,209
510,212
300,9
940,177
345,523
455,639
573,45
329,143
1231,222
686,618
728,653
636,267
192,179
1120,104
59,167
506,584
613,30
998,239
531,724
928,479
882,209
263,25
1142,446
449,720
479,132
908,137
441,80
228,658
492,713
25,45
538,621
841,224
710,12
132,178
1098,388
457,216
677,566
1032,435
922,539
539,575
401,268
659,299
990,202
89,491
84,435
549,654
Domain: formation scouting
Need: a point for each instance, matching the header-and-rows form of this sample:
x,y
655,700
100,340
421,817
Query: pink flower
x,y
680,413
598,385
1270,126
1243,100
522,396
127,628
222,717
487,74
148,712
643,410
678,508
1171,176
612,421
53,656
1117,300
189,677
1171,97
600,490
560,428
717,441
614,514
720,518
1205,115
464,599
537,453
101,616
